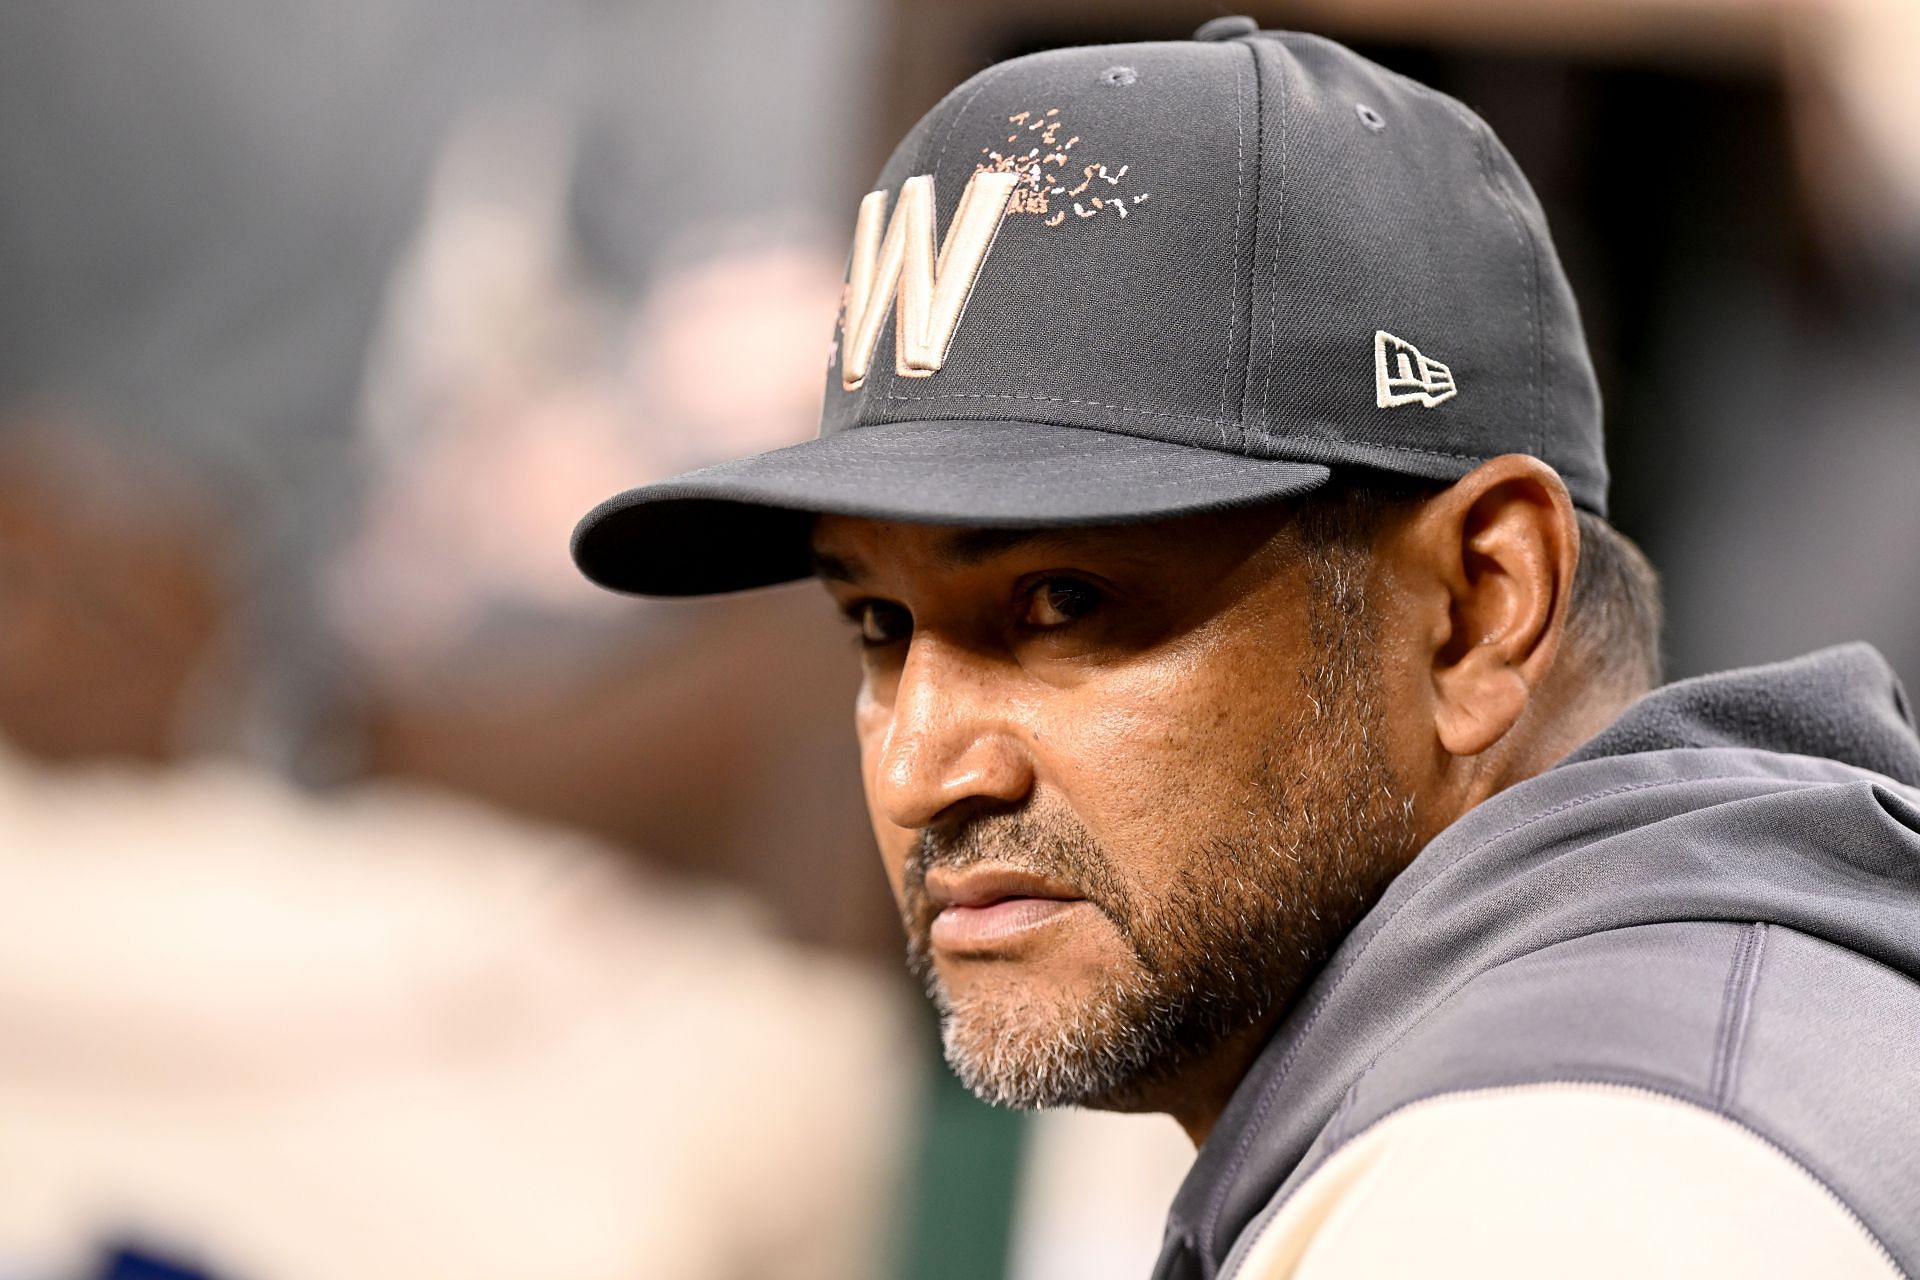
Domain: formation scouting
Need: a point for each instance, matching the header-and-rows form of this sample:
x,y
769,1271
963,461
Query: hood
x,y
1785,793
1841,704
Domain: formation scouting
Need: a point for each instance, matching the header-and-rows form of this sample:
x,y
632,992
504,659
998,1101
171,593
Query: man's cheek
x,y
1151,780
895,845
894,842
1152,793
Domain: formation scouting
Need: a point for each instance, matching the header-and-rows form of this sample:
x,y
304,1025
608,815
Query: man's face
x,y
1130,784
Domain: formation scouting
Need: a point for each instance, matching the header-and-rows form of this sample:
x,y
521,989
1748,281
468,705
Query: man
x,y
1256,718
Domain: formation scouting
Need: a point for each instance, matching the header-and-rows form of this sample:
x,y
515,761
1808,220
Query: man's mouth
x,y
983,908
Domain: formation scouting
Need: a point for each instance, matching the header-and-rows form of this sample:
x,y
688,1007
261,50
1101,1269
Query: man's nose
x,y
952,736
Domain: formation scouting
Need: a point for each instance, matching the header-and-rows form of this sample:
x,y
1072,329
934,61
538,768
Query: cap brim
x,y
746,523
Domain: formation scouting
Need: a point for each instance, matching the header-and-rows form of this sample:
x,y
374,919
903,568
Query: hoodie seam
x,y
1348,1103
1736,1011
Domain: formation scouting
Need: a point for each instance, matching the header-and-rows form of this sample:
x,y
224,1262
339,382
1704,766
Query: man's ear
x,y
1496,552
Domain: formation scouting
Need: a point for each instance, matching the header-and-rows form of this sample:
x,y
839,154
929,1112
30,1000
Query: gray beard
x,y
1253,916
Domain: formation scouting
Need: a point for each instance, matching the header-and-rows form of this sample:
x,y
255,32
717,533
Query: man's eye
x,y
1055,602
880,623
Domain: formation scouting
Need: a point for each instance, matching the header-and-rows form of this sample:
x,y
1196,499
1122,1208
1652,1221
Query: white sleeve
x,y
1562,1180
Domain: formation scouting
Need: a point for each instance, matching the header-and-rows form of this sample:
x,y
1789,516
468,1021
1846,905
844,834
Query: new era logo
x,y
1401,375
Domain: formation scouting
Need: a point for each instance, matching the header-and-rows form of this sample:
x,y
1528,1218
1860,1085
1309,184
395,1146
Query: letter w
x,y
932,294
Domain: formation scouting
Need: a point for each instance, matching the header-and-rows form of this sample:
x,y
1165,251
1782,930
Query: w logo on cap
x,y
932,288
1401,375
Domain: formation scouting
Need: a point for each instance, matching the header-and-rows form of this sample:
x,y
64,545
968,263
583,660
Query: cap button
x,y
1229,28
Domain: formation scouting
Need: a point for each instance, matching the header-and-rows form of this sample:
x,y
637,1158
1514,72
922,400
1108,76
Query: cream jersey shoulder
x,y
1565,1180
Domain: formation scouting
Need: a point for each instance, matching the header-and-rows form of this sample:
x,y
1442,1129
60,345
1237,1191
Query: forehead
x,y
847,548
853,549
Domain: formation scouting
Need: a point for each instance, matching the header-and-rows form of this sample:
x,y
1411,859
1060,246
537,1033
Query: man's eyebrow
x,y
963,548
847,569
967,547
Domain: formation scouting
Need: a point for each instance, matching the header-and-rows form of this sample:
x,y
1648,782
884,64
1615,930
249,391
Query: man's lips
x,y
982,886
982,908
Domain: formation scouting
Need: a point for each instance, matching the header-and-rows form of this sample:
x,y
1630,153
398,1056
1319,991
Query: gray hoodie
x,y
1717,899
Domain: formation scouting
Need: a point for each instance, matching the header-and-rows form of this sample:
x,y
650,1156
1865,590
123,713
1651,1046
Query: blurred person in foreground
x,y
381,1031
392,1034
1262,723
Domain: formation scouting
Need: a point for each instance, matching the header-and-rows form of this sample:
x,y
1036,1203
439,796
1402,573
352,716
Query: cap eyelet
x,y
1118,75
1369,117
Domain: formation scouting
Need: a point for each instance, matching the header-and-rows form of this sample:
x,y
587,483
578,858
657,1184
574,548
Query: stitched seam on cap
x,y
1483,138
1239,212
1532,245
954,123
1253,240
1483,144
1150,413
1482,134
1090,404
1279,212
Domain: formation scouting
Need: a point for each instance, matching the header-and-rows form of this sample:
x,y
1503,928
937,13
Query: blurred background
x,y
379,900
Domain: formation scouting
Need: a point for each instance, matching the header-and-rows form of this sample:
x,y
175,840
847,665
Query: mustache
x,y
1053,845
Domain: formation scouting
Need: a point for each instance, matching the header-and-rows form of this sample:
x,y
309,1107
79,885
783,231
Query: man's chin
x,y
1017,1046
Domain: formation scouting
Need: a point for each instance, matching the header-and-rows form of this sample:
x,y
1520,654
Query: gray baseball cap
x,y
1131,282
